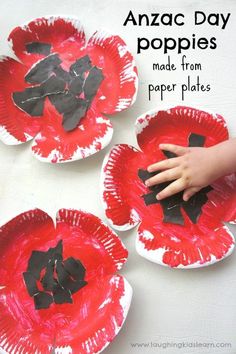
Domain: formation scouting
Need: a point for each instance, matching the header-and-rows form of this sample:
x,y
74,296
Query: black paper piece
x,y
37,261
52,86
71,119
172,214
169,154
149,198
61,295
75,268
59,279
196,140
31,100
62,74
76,85
38,48
70,274
42,70
48,280
64,102
193,207
81,66
42,300
92,83
31,283
172,205
144,174
171,209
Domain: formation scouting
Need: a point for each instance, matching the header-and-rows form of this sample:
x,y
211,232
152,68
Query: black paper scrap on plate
x,y
92,83
76,85
169,154
193,207
81,66
59,279
62,74
172,214
42,300
71,119
196,140
43,69
32,99
38,48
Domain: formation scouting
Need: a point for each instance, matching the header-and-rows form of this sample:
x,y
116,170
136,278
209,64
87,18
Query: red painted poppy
x,y
59,291
59,92
171,232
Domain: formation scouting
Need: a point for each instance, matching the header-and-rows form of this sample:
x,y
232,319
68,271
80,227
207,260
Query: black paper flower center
x,y
172,205
71,92
50,279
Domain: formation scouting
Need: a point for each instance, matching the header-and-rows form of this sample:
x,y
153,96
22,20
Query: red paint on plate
x,y
98,310
190,245
116,92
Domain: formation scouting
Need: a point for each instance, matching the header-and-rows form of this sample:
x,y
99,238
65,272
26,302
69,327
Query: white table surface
x,y
168,305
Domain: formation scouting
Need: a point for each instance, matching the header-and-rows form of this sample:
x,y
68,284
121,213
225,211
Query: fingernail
x,y
147,183
149,169
158,196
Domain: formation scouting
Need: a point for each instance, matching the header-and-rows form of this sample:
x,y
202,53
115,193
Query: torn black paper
x,y
81,66
71,119
42,70
92,83
59,279
196,140
38,48
42,300
31,100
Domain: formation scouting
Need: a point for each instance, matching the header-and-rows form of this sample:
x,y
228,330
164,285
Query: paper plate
x,y
59,291
171,233
60,91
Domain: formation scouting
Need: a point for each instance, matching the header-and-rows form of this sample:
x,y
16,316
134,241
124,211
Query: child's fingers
x,y
176,149
189,192
164,164
173,188
165,176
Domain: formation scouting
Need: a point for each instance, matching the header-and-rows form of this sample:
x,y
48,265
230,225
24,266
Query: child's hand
x,y
192,169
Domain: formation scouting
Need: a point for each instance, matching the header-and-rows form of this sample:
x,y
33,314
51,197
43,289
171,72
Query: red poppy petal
x,y
54,144
174,126
119,172
95,244
222,202
16,126
86,326
98,313
17,240
119,88
62,33
175,246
